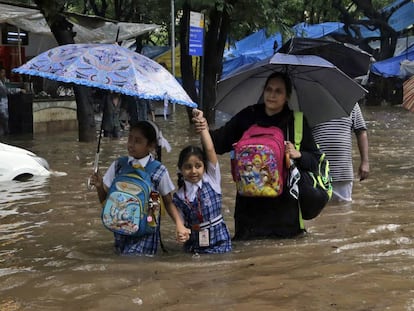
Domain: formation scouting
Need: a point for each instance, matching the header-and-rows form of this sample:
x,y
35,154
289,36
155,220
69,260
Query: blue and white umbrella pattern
x,y
110,67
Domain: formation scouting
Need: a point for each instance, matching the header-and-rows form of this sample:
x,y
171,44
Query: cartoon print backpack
x,y
132,206
258,162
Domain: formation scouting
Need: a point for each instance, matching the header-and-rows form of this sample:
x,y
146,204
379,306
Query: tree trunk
x,y
62,30
214,43
214,47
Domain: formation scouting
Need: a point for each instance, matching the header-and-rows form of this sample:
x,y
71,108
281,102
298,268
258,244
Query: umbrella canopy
x,y
320,90
110,67
349,58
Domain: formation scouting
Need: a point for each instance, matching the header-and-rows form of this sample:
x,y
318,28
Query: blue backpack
x,y
132,207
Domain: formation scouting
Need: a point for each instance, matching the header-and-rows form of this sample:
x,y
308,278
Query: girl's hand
x,y
199,121
96,180
197,113
183,234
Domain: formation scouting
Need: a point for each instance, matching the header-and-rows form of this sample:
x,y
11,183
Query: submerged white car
x,y
20,164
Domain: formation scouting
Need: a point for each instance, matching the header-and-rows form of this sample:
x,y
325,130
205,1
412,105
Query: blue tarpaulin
x,y
250,49
316,31
390,67
401,19
253,48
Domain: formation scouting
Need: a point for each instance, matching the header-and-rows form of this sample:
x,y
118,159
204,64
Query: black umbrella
x,y
349,58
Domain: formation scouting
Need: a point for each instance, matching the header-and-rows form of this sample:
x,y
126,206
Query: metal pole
x,y
173,42
201,78
19,46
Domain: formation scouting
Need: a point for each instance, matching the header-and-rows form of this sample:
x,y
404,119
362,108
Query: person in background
x,y
136,109
110,115
4,102
334,138
199,197
267,217
142,141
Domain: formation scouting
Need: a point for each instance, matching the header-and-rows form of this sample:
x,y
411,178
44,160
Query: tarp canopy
x,y
251,49
89,29
316,31
402,18
391,67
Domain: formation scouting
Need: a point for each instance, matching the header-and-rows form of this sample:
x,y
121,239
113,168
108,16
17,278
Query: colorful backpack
x,y
258,162
315,188
132,206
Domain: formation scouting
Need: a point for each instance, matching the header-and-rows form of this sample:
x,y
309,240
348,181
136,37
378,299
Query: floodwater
x,y
56,255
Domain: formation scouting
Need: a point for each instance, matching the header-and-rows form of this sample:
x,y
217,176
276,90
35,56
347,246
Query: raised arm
x,y
205,137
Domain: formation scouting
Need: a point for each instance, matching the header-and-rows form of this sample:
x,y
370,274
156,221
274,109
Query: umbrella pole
x,y
98,148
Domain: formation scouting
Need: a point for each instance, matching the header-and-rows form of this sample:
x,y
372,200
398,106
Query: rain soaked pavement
x,y
56,255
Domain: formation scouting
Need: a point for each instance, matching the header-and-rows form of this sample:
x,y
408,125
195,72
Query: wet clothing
x,y
110,117
201,203
147,245
335,140
334,137
139,109
4,105
261,217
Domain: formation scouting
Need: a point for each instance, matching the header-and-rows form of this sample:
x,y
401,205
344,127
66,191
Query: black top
x,y
260,216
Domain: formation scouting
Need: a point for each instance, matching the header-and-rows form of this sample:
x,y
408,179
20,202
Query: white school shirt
x,y
211,176
164,187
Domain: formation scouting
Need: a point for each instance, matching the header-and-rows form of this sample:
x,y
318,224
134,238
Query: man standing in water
x,y
334,138
4,102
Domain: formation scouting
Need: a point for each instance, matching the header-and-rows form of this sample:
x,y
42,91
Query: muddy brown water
x,y
56,255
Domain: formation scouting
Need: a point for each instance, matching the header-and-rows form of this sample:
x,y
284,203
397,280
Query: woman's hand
x,y
199,121
291,151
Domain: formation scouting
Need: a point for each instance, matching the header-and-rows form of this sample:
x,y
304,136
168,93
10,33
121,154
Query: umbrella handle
x,y
287,160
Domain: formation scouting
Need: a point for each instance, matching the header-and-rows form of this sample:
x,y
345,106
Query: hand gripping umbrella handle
x,y
95,170
287,160
98,148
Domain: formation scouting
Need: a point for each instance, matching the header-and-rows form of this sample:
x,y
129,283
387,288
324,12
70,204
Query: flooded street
x,y
55,253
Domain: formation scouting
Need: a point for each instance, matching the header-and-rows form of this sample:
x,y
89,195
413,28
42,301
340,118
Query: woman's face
x,y
275,96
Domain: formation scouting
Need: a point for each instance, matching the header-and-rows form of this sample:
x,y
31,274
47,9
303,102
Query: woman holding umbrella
x,y
265,217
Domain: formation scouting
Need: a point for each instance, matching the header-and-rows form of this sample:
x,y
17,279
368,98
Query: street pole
x,y
173,42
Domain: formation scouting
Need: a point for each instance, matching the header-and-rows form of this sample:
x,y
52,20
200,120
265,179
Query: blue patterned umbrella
x,y
109,67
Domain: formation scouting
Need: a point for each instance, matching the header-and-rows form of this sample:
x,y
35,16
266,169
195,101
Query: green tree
x,y
223,18
370,15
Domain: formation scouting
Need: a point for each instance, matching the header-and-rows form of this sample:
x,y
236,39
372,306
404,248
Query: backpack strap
x,y
150,168
298,132
298,128
121,164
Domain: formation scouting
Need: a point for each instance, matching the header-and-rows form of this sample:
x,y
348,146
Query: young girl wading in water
x,y
199,197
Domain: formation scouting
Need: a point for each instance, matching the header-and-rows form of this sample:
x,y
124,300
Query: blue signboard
x,y
196,37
